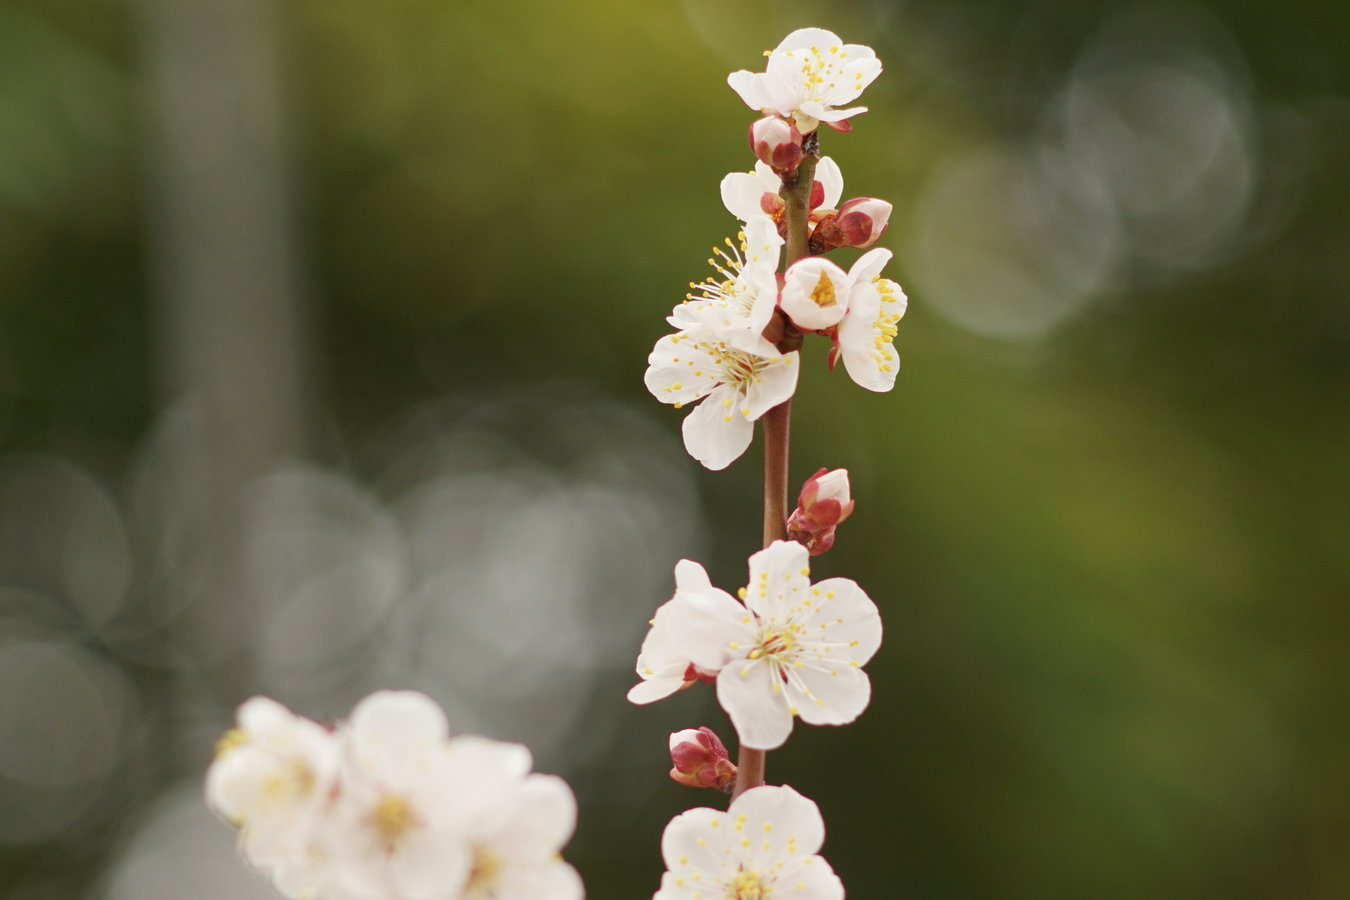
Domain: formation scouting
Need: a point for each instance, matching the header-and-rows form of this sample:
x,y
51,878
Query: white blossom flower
x,y
793,649
736,387
395,830
660,664
815,293
391,808
749,194
866,335
739,300
514,823
764,847
272,778
808,75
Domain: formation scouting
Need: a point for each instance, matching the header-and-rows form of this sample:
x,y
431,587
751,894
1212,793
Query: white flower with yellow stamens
x,y
764,847
792,649
735,385
750,194
866,335
738,301
807,76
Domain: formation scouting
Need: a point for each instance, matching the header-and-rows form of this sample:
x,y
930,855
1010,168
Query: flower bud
x,y
701,760
824,502
778,144
858,223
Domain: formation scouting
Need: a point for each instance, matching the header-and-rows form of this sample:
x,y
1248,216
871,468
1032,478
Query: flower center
x,y
774,643
823,293
483,872
747,886
391,819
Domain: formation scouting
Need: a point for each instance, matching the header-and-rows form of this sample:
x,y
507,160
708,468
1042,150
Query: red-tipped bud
x,y
858,223
778,144
824,502
701,760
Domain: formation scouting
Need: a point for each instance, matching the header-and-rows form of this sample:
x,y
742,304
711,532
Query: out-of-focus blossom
x,y
272,778
391,808
764,846
809,75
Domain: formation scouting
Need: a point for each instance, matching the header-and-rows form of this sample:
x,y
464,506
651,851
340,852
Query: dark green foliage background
x,y
1112,561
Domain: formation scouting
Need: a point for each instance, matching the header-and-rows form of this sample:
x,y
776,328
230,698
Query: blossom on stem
x,y
699,759
736,386
865,338
764,846
815,293
737,302
858,223
824,502
660,665
808,75
792,649
777,143
750,194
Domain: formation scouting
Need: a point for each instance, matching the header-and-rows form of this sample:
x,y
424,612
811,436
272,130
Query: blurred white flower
x,y
764,846
272,778
808,75
391,808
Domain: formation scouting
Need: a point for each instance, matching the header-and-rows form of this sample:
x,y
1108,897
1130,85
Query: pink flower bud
x,y
824,502
777,143
701,760
858,223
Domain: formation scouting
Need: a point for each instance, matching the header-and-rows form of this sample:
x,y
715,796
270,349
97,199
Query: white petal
x,y
860,628
752,696
836,693
832,180
545,817
672,366
812,879
742,192
790,814
751,88
762,241
708,627
690,576
778,580
777,383
715,433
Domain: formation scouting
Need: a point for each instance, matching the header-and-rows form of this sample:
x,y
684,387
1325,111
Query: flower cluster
x,y
786,648
738,333
388,806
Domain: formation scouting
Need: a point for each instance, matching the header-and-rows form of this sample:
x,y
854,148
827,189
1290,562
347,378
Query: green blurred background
x,y
322,330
